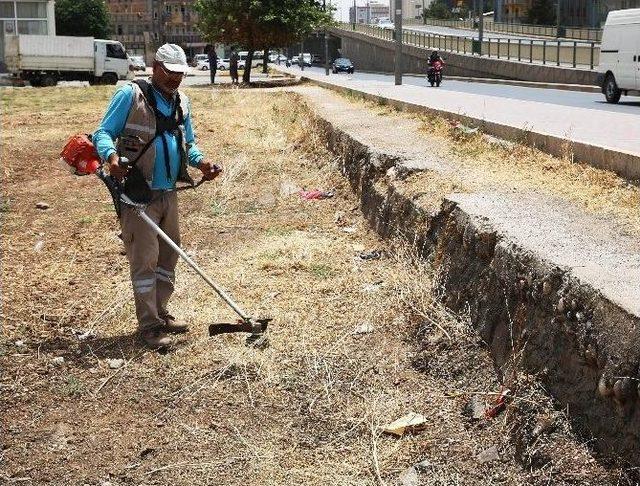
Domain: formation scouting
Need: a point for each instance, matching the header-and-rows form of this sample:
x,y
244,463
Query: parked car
x,y
275,58
257,58
306,57
203,65
386,24
197,58
618,72
223,64
342,65
316,59
138,63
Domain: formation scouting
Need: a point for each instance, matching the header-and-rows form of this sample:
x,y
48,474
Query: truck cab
x,y
111,61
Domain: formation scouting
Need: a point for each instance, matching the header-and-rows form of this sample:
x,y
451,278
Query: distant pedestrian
x,y
213,62
233,67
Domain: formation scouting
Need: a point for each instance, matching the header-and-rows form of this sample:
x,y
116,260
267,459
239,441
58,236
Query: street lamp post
x,y
481,24
398,33
326,42
558,14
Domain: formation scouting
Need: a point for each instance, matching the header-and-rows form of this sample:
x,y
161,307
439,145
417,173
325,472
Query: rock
x,y
605,387
19,343
116,363
287,188
42,205
488,455
58,361
409,477
38,246
412,422
83,334
363,328
546,288
476,407
423,466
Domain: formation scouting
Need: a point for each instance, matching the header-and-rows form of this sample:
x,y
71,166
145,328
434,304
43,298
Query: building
x,y
370,13
411,9
26,17
143,25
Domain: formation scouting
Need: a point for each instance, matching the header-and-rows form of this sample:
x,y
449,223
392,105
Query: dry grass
x,y
304,411
483,163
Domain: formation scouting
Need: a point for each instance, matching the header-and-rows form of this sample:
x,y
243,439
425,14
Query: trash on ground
x,y
363,328
488,455
370,288
410,423
19,343
315,194
340,218
477,407
84,334
42,205
500,404
370,255
349,229
58,361
409,477
116,363
287,188
38,246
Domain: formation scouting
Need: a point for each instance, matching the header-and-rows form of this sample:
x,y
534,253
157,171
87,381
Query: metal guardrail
x,y
574,33
575,54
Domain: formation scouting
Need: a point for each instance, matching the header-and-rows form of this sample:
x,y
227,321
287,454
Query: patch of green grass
x,y
5,207
218,208
86,220
278,231
320,270
72,387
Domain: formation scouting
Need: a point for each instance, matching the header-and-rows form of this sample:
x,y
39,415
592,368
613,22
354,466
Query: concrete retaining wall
x,y
373,54
533,314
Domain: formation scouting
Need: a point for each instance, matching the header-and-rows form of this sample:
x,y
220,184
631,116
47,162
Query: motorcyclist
x,y
435,56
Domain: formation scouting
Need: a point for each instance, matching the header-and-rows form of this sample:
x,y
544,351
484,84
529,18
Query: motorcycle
x,y
434,74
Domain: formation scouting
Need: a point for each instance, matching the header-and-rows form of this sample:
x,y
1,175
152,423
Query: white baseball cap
x,y
173,58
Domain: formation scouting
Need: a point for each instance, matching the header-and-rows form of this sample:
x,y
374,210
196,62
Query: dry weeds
x,y
305,411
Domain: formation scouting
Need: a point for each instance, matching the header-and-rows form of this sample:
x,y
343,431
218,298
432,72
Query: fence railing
x,y
594,35
564,53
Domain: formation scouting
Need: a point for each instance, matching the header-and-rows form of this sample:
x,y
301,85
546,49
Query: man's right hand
x,y
115,169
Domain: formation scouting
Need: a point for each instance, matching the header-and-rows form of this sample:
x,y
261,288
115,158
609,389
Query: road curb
x,y
625,164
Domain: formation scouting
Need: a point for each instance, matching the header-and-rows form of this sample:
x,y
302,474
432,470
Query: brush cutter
x,y
84,165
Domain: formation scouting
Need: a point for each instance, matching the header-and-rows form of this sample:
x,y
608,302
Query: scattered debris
x,y
349,229
58,361
423,466
488,455
116,363
287,188
315,194
84,334
363,328
500,405
372,287
476,407
38,246
410,423
42,205
19,343
409,477
267,200
340,218
370,255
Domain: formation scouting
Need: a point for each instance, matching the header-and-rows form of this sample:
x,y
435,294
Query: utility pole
x,y
481,24
398,33
355,15
558,14
326,41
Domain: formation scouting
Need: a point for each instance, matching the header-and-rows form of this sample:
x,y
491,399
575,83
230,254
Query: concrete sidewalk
x,y
603,139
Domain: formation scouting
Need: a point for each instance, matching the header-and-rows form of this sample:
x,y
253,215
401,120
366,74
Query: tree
x,y
260,24
437,10
82,18
542,12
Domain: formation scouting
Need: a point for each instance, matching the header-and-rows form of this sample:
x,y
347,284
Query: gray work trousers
x,y
152,262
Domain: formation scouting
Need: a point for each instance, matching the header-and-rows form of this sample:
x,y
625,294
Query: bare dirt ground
x,y
309,409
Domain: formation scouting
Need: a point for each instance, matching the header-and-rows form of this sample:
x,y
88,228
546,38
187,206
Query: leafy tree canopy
x,y
83,18
542,12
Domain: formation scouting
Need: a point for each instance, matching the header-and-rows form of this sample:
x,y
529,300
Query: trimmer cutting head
x,y
256,327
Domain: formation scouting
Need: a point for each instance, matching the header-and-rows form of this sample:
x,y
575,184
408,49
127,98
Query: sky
x,y
342,7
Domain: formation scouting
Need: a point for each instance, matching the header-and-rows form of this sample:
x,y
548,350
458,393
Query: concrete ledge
x,y
625,164
534,313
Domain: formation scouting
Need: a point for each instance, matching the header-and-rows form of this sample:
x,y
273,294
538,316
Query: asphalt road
x,y
574,99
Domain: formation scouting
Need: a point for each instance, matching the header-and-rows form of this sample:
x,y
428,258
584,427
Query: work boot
x,y
170,325
156,338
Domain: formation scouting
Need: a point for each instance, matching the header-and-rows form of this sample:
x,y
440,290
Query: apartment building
x,y
411,9
370,13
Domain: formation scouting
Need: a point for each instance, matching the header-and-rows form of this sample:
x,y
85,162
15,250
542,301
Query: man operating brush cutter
x,y
151,122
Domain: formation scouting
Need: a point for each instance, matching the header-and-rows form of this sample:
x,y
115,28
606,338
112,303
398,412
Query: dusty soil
x,y
307,410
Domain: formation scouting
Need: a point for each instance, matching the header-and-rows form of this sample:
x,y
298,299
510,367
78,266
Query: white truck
x,y
619,68
43,60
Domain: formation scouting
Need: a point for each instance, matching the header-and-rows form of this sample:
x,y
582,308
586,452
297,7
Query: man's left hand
x,y
209,171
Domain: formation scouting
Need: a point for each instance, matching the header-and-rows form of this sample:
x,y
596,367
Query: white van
x,y
256,61
619,69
